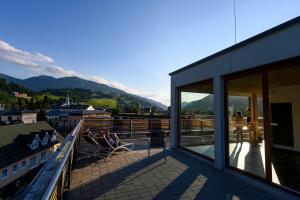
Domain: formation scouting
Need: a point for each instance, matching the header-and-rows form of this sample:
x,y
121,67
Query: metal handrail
x,y
44,183
54,180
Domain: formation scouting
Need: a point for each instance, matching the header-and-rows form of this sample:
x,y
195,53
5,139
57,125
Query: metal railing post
x,y
201,124
149,146
60,187
70,170
131,128
150,124
165,153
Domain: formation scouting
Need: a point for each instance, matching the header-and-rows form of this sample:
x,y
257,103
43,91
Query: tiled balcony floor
x,y
135,176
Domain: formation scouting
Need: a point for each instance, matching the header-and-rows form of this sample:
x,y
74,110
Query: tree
x,y
41,116
21,104
31,104
138,108
115,111
45,102
154,110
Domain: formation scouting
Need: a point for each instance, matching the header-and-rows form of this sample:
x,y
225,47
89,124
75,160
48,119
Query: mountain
x,y
41,83
204,105
11,79
235,103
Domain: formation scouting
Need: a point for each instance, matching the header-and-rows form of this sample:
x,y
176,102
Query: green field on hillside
x,y
50,96
107,103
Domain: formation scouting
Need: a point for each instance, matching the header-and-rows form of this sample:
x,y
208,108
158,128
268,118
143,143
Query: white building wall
x,y
29,118
4,118
280,45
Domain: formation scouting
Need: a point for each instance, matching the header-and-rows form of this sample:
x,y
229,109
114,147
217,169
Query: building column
x,y
219,122
174,116
254,115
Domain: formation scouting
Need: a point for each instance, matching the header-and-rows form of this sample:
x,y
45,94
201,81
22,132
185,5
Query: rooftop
x,y
14,137
16,112
134,175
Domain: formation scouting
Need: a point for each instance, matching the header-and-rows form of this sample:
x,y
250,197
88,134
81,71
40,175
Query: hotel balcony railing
x,y
54,177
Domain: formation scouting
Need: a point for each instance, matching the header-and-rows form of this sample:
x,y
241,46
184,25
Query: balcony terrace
x,y
134,175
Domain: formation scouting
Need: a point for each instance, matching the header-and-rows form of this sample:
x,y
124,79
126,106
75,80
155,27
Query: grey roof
x,y
29,111
72,106
10,112
13,140
243,43
57,112
16,112
86,112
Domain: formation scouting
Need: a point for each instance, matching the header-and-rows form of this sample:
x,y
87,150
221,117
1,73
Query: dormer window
x,y
53,137
23,164
45,139
4,174
33,162
15,169
44,156
35,143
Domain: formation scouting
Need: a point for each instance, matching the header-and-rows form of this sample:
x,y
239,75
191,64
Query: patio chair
x,y
90,147
120,145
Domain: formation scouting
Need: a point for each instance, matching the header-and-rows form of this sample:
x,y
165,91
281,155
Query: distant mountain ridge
x,y
235,104
204,105
40,83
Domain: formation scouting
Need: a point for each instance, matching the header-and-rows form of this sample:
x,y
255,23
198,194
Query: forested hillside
x,y
43,100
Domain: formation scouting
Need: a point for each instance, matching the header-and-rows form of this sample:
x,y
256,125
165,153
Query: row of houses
x,y
8,117
25,144
65,118
23,149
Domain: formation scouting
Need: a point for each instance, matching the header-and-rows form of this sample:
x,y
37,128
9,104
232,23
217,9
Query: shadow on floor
x,y
182,177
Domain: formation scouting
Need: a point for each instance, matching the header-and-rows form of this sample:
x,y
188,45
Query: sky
x,y
129,44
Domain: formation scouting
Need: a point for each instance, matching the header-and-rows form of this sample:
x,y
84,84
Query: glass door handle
x,y
274,124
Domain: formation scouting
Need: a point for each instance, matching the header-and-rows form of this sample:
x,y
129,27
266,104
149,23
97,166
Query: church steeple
x,y
67,100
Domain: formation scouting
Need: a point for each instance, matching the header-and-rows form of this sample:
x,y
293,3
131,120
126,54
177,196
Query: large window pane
x,y
284,98
245,124
196,126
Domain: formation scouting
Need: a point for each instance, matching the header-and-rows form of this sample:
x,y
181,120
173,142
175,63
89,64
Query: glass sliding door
x,y
263,123
196,118
245,118
284,106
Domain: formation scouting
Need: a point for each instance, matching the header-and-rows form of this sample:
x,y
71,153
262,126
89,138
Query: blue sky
x,y
129,44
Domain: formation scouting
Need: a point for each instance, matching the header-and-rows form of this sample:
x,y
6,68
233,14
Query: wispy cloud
x,y
33,61
17,56
42,64
162,96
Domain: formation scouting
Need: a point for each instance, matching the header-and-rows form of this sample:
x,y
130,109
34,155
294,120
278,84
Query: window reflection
x,y
245,123
197,127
